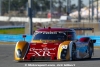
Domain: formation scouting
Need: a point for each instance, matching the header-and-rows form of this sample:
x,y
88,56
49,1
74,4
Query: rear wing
x,y
84,29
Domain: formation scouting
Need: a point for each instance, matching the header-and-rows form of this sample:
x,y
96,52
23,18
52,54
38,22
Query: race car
x,y
54,44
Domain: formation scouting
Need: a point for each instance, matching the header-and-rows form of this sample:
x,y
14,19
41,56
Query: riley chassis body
x,y
54,44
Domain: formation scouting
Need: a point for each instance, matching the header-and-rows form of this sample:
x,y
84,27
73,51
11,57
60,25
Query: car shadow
x,y
42,61
92,59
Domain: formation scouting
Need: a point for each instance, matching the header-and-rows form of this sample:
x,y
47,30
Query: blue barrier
x,y
13,38
16,38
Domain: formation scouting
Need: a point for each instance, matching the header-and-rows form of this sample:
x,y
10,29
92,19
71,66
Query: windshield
x,y
53,36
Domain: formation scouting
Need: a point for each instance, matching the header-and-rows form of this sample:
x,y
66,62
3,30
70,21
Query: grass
x,y
12,31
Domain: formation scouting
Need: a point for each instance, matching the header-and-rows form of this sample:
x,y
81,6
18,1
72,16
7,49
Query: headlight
x,y
64,47
19,53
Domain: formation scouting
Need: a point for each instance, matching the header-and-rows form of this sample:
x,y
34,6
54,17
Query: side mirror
x,y
24,36
93,41
33,32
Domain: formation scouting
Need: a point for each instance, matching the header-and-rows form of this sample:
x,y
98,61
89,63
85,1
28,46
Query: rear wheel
x,y
90,53
90,48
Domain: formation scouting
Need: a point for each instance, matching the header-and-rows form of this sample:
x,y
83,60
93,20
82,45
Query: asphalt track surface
x,y
7,52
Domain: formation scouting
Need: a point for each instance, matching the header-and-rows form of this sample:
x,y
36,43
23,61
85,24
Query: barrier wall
x,y
15,38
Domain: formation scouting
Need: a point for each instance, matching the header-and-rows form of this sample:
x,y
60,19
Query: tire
x,y
90,53
74,52
90,48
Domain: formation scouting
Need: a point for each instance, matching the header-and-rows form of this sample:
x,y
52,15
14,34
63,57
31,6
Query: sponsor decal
x,y
44,45
42,52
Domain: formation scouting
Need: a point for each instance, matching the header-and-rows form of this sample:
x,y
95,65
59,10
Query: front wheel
x,y
74,52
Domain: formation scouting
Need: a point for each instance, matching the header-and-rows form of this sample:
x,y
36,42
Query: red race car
x,y
54,44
